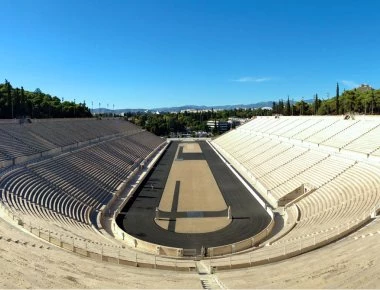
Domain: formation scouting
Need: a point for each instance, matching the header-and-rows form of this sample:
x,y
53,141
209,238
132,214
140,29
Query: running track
x,y
249,218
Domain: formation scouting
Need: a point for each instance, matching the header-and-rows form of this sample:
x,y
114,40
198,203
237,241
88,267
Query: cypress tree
x,y
22,101
337,99
8,88
316,102
288,107
280,109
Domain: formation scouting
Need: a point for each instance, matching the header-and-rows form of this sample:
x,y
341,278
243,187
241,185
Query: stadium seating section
x,y
64,192
334,160
336,156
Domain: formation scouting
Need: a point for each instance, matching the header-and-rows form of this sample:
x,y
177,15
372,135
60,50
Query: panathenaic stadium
x,y
279,202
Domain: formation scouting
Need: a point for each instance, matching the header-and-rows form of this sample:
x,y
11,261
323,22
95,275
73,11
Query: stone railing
x,y
96,251
119,255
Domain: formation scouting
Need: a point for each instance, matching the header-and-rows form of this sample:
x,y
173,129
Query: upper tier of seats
x,y
26,139
334,132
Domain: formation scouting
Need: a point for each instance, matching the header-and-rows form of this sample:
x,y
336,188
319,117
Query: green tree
x,y
16,102
22,102
9,101
274,108
280,108
337,100
287,110
316,104
372,102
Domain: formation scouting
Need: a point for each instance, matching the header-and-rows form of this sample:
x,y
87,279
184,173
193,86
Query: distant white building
x,y
235,121
222,126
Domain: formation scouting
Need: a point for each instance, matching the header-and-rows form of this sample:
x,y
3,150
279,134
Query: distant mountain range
x,y
189,107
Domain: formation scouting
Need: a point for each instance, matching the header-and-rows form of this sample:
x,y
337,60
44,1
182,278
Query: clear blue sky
x,y
144,54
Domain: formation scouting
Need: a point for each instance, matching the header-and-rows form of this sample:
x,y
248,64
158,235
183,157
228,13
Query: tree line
x,y
359,101
19,103
165,123
362,100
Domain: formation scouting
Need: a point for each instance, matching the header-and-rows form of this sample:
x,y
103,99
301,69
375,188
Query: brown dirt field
x,y
191,147
198,192
200,225
198,188
196,225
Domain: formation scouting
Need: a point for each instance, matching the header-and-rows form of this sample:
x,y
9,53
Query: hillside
x,y
361,100
18,103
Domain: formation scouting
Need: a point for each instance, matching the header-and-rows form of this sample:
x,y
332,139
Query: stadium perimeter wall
x,y
265,254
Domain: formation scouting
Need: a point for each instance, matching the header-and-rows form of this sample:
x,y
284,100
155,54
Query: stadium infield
x,y
183,227
191,201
